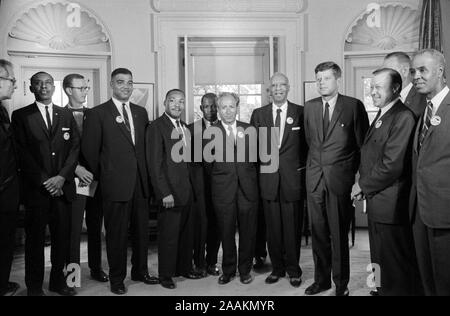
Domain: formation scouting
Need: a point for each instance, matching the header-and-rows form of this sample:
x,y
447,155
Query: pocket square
x,y
296,128
65,129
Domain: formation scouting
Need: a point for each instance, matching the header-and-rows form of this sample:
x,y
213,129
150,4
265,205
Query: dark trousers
x,y
56,213
94,221
392,248
122,218
261,239
330,217
433,254
175,241
9,205
283,229
242,213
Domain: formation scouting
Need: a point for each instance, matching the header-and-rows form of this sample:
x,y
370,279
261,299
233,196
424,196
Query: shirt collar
x,y
233,126
208,123
42,105
388,107
438,98
119,103
174,121
405,91
283,107
332,102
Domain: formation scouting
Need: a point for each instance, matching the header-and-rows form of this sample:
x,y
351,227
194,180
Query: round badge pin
x,y
241,135
379,123
66,136
290,120
119,119
436,121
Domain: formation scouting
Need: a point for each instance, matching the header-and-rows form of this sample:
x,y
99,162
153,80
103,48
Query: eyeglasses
x,y
13,80
82,88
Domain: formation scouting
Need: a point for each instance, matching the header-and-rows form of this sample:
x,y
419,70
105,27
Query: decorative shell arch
x,y
49,25
398,28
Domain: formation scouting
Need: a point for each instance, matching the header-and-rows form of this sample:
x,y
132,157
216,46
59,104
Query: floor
x,y
208,286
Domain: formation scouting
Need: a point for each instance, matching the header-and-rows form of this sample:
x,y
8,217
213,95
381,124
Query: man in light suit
x,y
401,62
234,188
282,190
48,143
173,191
335,126
430,194
206,236
385,183
9,182
113,148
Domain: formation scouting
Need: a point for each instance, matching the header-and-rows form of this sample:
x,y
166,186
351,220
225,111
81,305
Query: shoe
x,y
10,290
342,292
271,279
315,288
202,272
246,279
374,293
99,276
36,293
295,282
119,289
259,263
192,275
63,291
146,278
167,283
225,278
213,270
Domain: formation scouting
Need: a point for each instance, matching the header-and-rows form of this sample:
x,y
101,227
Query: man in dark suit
x,y
9,183
206,237
401,62
170,178
76,88
335,126
385,183
282,190
114,151
234,188
48,145
430,194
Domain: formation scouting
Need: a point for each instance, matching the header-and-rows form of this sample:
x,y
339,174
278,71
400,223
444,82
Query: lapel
x,y
56,118
318,110
442,113
383,119
114,114
37,120
291,113
336,114
416,135
411,95
170,127
268,116
135,122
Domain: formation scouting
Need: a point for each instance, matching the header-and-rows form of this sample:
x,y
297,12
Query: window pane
x,y
199,90
250,89
247,106
227,88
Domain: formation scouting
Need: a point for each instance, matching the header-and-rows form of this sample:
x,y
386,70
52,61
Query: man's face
x,y
78,92
7,86
402,69
228,110
327,84
43,88
279,89
122,87
209,109
427,74
175,104
381,90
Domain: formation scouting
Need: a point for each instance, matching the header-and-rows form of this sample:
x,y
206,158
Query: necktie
x,y
427,124
49,121
326,119
376,119
231,134
278,118
180,131
125,117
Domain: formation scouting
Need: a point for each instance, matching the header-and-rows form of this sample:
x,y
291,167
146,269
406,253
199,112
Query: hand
x,y
54,185
356,191
85,176
169,201
58,193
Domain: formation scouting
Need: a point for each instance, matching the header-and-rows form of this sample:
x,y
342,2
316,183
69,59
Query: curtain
x,y
431,25
445,13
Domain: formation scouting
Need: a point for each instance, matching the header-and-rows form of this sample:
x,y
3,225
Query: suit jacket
x,y
109,153
168,177
335,156
416,102
430,194
42,156
228,177
385,166
8,168
289,179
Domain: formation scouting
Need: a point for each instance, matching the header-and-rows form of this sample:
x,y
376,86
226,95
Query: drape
x,y
431,25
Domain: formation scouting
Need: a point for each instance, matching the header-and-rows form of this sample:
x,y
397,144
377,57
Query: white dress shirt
x,y
283,117
405,92
387,108
437,100
41,108
174,122
233,127
119,107
331,103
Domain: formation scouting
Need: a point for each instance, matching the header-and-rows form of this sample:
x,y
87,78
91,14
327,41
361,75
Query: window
x,y
249,94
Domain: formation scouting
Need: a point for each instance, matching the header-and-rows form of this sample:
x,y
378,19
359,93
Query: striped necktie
x,y
426,125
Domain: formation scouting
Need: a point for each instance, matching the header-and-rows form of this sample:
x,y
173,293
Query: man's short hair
x,y
121,71
435,54
396,78
279,74
224,95
34,77
172,91
209,96
67,82
4,64
329,65
401,57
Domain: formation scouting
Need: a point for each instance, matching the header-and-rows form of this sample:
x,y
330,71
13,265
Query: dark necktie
x,y
427,124
180,131
49,120
4,118
126,118
278,118
326,119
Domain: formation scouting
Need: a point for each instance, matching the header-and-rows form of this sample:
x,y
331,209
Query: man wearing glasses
x,y
9,183
114,149
76,88
47,143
